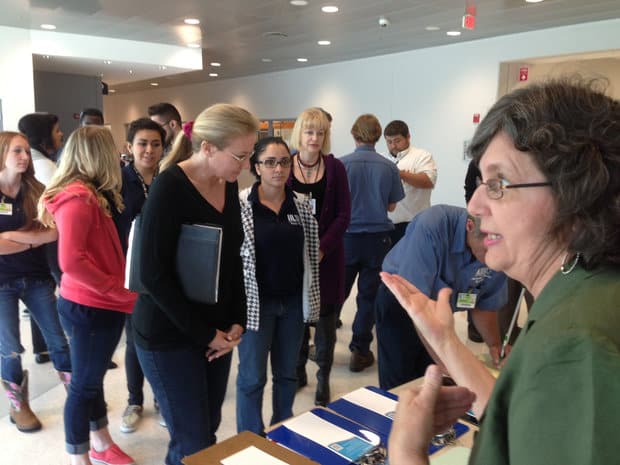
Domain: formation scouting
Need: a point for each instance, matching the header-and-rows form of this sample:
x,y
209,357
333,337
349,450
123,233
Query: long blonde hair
x,y
31,189
88,157
218,124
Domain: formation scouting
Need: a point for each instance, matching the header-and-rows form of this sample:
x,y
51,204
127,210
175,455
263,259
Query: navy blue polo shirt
x,y
32,262
374,182
279,243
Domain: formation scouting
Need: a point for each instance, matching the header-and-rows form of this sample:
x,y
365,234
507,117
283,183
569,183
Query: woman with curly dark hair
x,y
549,202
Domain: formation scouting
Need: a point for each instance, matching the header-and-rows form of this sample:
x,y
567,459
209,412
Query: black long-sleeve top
x,y
164,318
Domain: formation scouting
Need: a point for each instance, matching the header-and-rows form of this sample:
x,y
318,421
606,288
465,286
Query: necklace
x,y
309,169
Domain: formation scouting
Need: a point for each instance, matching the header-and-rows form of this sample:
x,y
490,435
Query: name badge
x,y
466,300
6,209
313,205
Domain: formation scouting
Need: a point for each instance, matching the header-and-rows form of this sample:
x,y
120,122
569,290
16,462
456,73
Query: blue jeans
x,y
93,336
364,254
280,334
190,391
39,297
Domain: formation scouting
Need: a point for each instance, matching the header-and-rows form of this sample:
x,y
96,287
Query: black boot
x,y
325,340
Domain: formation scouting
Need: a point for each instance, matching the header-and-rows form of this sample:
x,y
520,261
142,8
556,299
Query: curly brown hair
x,y
571,129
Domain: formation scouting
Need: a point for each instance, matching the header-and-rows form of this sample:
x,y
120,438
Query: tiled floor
x,y
148,444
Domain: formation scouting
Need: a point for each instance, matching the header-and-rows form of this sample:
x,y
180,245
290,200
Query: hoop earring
x,y
572,266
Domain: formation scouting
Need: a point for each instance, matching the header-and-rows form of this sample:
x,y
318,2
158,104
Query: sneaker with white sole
x,y
131,418
113,455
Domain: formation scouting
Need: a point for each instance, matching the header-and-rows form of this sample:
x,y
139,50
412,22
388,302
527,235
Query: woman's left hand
x,y
234,332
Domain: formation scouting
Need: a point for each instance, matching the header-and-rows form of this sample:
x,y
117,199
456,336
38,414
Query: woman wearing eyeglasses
x,y
320,177
281,272
184,346
549,202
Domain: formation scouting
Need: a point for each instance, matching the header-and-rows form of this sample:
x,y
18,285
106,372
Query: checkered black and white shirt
x,y
311,297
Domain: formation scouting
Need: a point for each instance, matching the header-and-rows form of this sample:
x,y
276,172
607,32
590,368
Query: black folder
x,y
198,257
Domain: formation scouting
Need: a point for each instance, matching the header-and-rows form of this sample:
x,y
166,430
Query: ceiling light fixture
x,y
163,67
111,91
131,71
453,33
154,84
46,57
107,62
324,42
266,60
48,27
191,21
534,1
193,45
432,28
299,2
302,60
329,9
216,64
213,75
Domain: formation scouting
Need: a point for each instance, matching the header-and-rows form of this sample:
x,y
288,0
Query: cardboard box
x,y
214,454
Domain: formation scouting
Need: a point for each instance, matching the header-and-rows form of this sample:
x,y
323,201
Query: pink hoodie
x,y
89,251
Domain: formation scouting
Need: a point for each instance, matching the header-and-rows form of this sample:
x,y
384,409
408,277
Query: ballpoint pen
x,y
513,322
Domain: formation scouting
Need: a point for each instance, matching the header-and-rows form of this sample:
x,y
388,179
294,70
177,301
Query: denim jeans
x,y
190,391
39,297
93,336
401,355
279,337
364,254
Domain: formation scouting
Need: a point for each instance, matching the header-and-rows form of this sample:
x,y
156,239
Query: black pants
x,y
402,356
324,341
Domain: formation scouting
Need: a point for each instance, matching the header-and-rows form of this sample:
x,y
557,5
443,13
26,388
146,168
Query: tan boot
x,y
20,413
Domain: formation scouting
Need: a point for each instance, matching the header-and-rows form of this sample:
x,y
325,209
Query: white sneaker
x,y
131,418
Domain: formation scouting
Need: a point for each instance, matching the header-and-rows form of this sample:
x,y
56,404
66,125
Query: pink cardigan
x,y
89,251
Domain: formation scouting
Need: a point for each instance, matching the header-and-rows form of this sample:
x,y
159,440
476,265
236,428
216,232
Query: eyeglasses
x,y
239,158
495,187
272,162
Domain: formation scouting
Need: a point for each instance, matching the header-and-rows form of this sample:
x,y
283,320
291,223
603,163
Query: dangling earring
x,y
572,266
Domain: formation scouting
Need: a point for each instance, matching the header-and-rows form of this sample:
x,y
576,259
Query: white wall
x,y
16,81
435,90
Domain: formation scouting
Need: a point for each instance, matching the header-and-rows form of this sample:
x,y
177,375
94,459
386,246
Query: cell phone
x,y
469,417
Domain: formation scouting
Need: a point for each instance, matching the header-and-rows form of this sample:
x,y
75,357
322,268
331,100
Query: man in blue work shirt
x,y
442,247
375,188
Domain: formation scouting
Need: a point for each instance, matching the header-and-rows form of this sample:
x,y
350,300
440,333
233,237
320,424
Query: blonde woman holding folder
x,y
184,346
549,201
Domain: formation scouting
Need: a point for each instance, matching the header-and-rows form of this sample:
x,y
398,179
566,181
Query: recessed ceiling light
x,y
111,91
107,62
216,64
154,84
213,74
324,42
302,60
48,27
266,60
191,21
131,71
453,33
329,9
299,2
534,1
193,45
432,28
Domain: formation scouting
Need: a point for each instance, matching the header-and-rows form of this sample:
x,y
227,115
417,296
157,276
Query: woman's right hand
x,y
433,319
220,345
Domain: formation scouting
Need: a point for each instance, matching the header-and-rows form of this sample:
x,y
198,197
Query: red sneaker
x,y
113,455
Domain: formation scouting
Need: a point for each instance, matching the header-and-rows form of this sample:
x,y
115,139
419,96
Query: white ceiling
x,y
236,32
